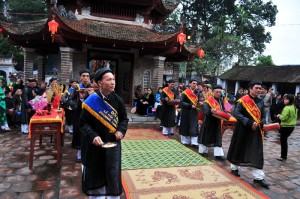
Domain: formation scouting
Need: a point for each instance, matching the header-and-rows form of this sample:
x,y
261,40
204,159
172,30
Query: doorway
x,y
122,66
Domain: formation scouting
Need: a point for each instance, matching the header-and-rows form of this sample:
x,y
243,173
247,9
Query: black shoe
x,y
236,173
262,183
221,158
281,159
195,146
204,154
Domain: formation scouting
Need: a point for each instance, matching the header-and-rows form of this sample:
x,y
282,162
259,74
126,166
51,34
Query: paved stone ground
x,y
47,182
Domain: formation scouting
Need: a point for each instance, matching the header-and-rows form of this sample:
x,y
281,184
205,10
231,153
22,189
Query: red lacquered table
x,y
52,124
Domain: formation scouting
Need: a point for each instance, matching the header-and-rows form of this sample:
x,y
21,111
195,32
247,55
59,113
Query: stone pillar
x,y
274,86
176,73
237,86
297,90
158,72
29,55
66,66
41,68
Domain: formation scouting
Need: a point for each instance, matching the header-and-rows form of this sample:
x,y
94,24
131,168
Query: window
x,y
146,79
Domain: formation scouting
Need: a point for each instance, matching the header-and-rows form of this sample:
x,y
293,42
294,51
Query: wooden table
x,y
52,124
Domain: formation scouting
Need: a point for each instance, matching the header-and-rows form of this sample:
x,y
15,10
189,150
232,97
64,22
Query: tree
x,y
229,30
25,10
263,60
8,49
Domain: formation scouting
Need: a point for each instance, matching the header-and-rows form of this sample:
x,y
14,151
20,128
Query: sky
x,y
285,45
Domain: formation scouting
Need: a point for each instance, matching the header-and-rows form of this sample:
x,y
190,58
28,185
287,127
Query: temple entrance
x,y
120,63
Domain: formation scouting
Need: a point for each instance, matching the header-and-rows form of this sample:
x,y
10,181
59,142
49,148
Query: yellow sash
x,y
253,110
169,93
191,96
213,103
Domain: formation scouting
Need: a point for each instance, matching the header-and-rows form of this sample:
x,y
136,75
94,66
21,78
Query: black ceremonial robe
x,y
167,113
102,167
210,131
189,117
246,147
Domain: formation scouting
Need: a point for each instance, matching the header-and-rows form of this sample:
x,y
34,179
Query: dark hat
x,y
199,83
253,82
37,90
84,70
92,75
32,80
99,73
193,80
171,81
52,79
264,86
218,86
73,80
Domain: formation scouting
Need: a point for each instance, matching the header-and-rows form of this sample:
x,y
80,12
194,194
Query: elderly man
x,y
246,147
210,132
103,120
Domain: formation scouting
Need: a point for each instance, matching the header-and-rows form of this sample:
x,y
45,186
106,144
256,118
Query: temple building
x,y
126,36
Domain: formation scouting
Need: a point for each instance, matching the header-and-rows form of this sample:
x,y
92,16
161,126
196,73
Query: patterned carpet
x,y
144,134
192,182
160,168
137,154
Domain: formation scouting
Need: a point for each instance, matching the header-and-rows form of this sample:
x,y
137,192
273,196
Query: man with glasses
x,y
246,147
189,115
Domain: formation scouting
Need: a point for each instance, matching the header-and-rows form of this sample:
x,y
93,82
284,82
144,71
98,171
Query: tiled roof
x,y
287,74
115,31
23,28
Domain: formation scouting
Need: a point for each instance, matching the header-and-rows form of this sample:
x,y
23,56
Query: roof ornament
x,y
71,16
62,11
170,4
139,18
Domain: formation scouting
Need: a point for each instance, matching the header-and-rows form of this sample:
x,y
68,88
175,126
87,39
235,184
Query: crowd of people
x,y
96,115
197,104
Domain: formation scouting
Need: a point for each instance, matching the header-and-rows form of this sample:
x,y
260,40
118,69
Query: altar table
x,y
40,125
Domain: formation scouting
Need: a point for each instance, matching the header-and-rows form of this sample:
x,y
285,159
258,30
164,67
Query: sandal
x,y
281,159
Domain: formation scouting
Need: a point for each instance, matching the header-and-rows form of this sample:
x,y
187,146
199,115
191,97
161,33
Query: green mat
x,y
138,154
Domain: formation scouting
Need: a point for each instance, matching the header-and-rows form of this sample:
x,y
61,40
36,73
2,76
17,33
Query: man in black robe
x,y
189,115
168,110
210,132
101,174
78,95
246,147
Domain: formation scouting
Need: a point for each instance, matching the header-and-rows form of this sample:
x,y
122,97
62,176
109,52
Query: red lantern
x,y
1,30
181,37
53,25
200,53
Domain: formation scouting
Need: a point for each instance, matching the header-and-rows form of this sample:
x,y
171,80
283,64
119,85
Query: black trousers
x,y
285,132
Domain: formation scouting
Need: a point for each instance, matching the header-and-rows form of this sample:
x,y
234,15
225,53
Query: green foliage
x,y
263,60
7,49
228,31
26,10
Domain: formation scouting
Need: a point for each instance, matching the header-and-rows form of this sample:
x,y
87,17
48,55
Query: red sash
x,y
169,93
252,109
213,103
191,95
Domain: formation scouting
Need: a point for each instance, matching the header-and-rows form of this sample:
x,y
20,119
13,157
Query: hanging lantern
x,y
1,30
200,53
53,25
181,37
